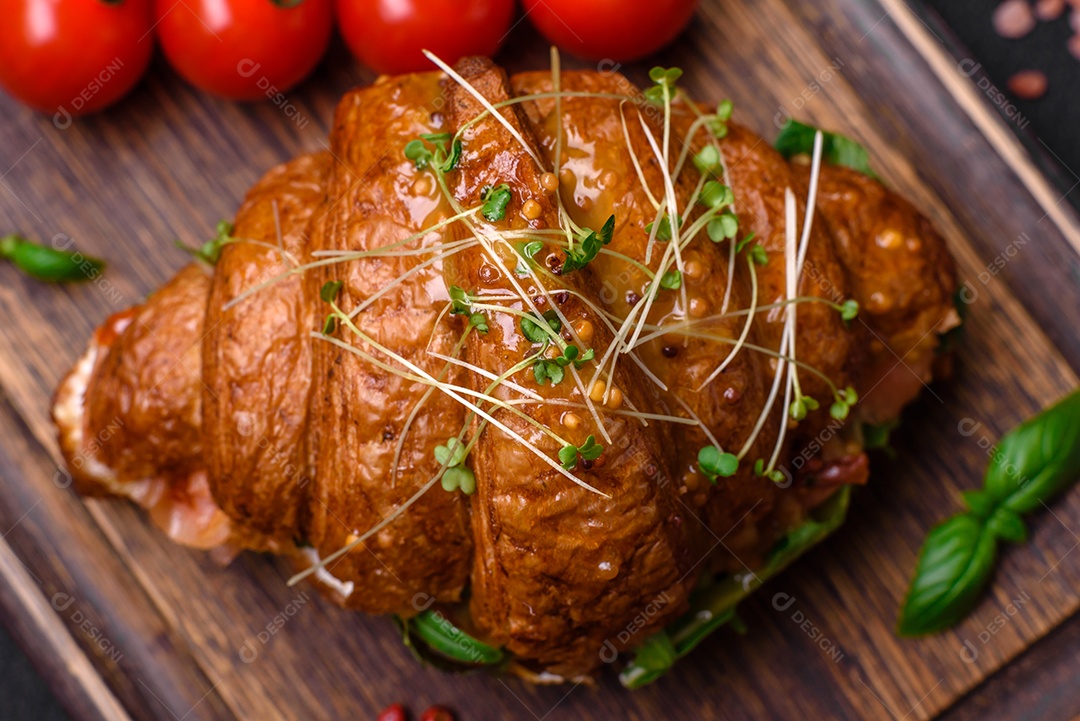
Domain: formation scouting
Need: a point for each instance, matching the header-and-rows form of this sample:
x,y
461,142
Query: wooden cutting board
x,y
125,624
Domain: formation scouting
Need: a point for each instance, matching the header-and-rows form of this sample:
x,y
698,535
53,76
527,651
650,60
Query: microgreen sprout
x,y
590,450
665,79
210,251
329,293
457,475
590,245
722,227
708,160
718,123
528,252
849,309
663,230
801,405
758,254
715,463
844,399
775,475
443,157
716,195
532,328
495,201
671,280
461,304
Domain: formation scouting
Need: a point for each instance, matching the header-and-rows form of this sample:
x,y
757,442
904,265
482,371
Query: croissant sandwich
x,y
552,369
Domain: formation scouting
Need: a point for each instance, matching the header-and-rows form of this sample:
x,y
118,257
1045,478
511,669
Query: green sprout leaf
x,y
416,151
716,195
479,321
758,254
545,370
49,264
724,109
589,247
210,251
849,309
718,124
590,450
460,302
451,454
533,328
441,157
456,476
722,227
795,138
329,291
495,201
708,160
663,230
528,253
665,80
671,280
459,479
715,463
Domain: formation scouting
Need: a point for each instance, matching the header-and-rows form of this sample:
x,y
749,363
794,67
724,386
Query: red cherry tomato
x,y
388,35
244,49
617,30
73,56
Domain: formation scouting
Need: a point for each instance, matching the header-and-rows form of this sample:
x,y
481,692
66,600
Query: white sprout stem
x,y
485,102
804,241
361,307
745,331
423,399
455,392
790,265
634,159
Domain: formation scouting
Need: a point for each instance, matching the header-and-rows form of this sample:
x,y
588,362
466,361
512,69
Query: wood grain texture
x,y
197,641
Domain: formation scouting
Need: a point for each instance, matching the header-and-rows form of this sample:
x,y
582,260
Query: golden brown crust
x,y
560,570
359,411
145,385
599,179
560,574
903,277
257,354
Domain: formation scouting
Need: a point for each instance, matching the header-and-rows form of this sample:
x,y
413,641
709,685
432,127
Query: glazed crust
x,y
257,355
903,277
560,569
360,413
145,384
321,438
599,179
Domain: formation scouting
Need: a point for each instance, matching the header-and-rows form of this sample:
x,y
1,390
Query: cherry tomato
x,y
617,30
244,49
388,35
73,56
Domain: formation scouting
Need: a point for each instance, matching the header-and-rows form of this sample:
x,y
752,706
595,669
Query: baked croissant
x,y
511,351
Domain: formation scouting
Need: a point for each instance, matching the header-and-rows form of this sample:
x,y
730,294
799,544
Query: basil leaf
x,y
49,264
954,565
795,138
1037,459
449,641
713,605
